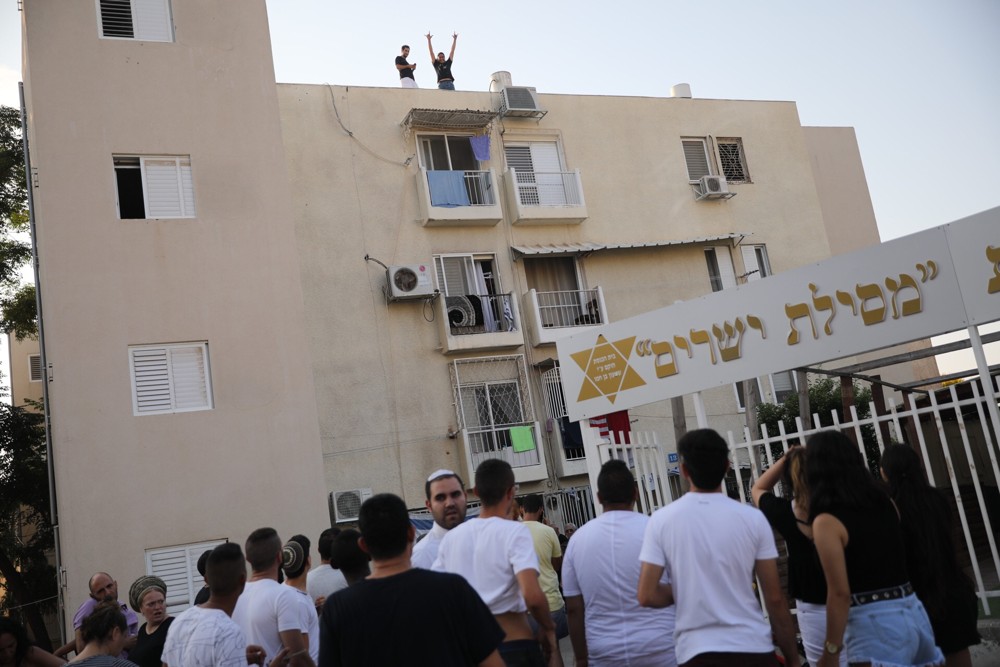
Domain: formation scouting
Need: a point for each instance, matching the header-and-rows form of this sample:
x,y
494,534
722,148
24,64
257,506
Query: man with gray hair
x,y
446,500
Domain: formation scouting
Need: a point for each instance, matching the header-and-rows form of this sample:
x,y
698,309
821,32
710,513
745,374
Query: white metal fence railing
x,y
548,188
569,308
949,428
479,185
499,443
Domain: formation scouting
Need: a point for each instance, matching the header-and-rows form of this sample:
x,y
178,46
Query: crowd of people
x,y
872,571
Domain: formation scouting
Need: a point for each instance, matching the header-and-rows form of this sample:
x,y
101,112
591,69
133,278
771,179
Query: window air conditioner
x,y
713,186
520,102
412,281
346,505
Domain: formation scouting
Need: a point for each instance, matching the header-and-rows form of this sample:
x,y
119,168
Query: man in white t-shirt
x,y
600,577
711,546
205,635
324,580
446,499
497,557
268,613
295,561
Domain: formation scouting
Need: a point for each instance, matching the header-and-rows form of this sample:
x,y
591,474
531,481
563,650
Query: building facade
x,y
264,301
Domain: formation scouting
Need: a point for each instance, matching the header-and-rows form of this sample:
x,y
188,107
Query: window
x,y
562,302
147,20
154,187
733,160
495,409
454,175
541,179
170,378
35,367
178,567
473,297
720,268
741,401
755,262
445,152
783,385
697,158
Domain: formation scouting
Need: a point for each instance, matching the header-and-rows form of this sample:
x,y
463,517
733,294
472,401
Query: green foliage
x,y
824,399
14,253
13,190
18,315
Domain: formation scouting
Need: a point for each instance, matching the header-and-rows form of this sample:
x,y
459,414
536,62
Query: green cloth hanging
x,y
522,438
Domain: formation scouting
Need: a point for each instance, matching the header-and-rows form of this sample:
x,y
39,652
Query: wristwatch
x,y
831,648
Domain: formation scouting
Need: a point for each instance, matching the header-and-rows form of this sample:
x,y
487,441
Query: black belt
x,y
894,593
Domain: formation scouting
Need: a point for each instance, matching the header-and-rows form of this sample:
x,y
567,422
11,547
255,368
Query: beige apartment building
x,y
265,301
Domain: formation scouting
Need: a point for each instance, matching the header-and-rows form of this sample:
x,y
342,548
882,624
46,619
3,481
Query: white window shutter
x,y
178,567
519,158
548,170
726,272
162,184
170,378
454,274
151,20
696,157
750,263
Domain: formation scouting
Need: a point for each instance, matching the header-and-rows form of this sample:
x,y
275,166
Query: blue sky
x,y
917,79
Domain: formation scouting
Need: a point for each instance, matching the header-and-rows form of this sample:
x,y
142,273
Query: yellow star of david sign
x,y
607,369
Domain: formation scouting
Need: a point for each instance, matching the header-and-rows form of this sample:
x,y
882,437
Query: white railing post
x,y
987,380
591,449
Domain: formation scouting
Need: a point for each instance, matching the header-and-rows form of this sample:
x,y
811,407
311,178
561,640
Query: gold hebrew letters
x,y
701,337
871,315
993,254
794,313
823,303
728,336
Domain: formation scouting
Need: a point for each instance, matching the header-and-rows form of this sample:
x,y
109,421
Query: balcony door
x,y
562,302
443,152
539,173
470,279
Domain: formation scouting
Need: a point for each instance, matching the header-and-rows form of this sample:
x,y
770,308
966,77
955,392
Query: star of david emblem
x,y
607,369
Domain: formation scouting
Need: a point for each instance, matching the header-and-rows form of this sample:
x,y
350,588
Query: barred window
x,y
732,160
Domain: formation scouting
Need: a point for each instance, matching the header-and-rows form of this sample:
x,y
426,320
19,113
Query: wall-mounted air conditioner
x,y
346,505
520,102
713,186
412,281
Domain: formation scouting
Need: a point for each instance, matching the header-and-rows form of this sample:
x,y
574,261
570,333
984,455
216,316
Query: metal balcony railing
x,y
548,188
571,308
452,189
497,443
478,314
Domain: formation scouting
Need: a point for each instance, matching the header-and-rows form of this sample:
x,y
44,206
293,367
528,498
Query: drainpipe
x,y
49,463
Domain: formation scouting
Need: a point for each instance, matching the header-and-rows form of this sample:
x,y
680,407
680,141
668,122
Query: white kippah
x,y
438,474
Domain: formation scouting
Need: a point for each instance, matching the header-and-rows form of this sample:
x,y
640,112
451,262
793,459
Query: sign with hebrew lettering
x,y
899,291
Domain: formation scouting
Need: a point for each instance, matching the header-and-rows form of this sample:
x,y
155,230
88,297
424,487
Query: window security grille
x,y
732,160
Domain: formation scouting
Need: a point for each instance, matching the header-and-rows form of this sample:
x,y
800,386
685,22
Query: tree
x,y
26,538
824,398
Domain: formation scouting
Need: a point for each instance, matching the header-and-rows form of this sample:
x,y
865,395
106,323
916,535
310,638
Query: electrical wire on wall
x,y
348,132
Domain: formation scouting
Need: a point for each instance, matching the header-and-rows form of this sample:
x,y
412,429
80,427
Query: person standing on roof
x,y
406,79
443,67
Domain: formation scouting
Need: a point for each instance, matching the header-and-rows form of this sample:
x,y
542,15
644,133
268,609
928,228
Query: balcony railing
x,y
570,308
498,443
545,197
458,198
480,314
452,189
548,188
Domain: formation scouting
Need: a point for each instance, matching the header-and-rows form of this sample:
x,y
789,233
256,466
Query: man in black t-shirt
x,y
443,67
406,69
372,622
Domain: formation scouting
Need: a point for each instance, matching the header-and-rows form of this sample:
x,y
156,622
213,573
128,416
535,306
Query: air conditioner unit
x,y
412,281
346,505
713,186
519,102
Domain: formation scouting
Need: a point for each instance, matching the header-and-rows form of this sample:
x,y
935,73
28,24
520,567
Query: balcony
x,y
570,461
517,444
474,322
552,315
545,197
458,198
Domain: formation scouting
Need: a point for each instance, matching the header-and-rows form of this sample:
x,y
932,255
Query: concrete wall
x,y
22,388
126,483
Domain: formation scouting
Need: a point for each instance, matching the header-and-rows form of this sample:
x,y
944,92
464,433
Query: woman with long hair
x,y
871,610
16,650
948,595
104,634
790,517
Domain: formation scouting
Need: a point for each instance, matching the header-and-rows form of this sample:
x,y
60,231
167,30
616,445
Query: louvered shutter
x,y
116,19
726,272
171,378
696,157
178,567
454,274
548,173
168,187
519,159
151,19
750,263
35,367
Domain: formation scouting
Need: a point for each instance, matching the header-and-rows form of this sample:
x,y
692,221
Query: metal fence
x,y
950,429
548,188
569,308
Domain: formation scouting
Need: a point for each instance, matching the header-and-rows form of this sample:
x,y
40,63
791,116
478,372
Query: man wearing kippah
x,y
446,499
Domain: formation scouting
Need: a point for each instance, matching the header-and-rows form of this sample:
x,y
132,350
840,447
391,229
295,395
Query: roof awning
x,y
448,119
587,248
